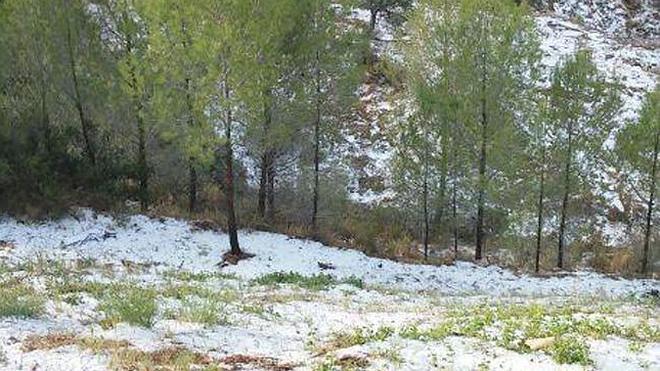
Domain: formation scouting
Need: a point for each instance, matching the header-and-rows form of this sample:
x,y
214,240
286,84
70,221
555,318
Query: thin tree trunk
x,y
266,164
564,203
84,121
454,205
270,191
649,215
373,19
192,171
143,170
263,180
45,118
539,226
192,185
232,229
317,144
426,213
443,177
482,173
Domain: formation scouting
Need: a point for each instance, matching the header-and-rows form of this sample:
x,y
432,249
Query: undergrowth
x,y
315,282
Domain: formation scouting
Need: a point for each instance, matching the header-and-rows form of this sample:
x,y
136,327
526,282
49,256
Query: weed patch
x,y
316,282
20,300
131,304
570,350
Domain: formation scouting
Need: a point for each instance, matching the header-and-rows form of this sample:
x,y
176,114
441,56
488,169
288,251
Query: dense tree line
x,y
238,106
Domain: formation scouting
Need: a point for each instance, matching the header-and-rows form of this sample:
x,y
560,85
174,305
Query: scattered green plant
x,y
570,349
316,282
20,300
129,303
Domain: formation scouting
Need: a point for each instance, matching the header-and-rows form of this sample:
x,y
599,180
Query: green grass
x,y
360,336
65,287
206,311
20,300
517,323
316,282
570,350
188,276
130,304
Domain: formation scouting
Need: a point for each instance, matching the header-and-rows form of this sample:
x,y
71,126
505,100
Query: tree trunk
x,y
263,184
232,229
192,186
564,203
482,174
84,121
192,171
270,191
143,170
45,119
649,215
266,160
317,145
425,202
539,226
373,19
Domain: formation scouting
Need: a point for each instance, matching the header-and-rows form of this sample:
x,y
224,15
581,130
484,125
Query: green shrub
x,y
20,300
131,304
570,350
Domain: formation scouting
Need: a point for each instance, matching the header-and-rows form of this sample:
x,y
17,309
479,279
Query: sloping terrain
x,y
95,292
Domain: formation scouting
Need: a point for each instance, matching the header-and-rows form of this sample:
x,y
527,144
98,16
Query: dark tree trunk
x,y
482,174
192,186
263,180
266,161
317,145
142,166
270,192
45,119
373,19
564,203
425,201
143,169
454,193
232,229
539,226
84,121
649,215
192,171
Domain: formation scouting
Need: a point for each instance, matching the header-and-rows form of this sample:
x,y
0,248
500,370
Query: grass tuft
x,y
316,282
570,349
129,303
20,300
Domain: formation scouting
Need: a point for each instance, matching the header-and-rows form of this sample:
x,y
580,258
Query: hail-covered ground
x,y
94,292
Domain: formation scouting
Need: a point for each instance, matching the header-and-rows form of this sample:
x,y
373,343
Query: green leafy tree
x,y
583,105
498,54
332,53
639,144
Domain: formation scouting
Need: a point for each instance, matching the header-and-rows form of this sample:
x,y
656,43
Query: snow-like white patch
x,y
168,243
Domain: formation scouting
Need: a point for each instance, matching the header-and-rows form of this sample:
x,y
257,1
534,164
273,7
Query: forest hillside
x,y
329,184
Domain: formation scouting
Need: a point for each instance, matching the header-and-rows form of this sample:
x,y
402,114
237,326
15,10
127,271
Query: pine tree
x,y
638,145
333,53
584,105
498,51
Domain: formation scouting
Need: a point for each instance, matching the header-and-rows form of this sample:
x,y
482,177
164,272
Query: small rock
x,y
540,343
